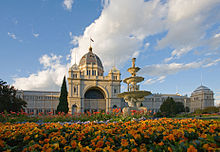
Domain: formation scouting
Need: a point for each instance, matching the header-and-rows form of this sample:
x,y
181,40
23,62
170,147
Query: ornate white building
x,y
154,101
39,101
201,98
89,89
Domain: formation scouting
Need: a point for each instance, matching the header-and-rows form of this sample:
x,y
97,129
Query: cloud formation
x,y
50,78
12,35
122,31
68,4
36,34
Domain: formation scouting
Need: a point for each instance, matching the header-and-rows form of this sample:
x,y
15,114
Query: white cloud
x,y
121,32
36,34
68,4
147,45
177,53
155,80
12,35
217,35
167,69
212,62
48,79
188,21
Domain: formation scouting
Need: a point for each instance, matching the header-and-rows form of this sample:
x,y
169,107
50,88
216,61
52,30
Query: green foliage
x,y
8,100
207,110
179,107
63,104
168,107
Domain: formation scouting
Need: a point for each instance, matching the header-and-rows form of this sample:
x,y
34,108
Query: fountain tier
x,y
133,96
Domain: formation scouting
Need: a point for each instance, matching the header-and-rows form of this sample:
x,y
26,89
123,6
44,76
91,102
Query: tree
x,y
8,100
63,104
180,107
168,107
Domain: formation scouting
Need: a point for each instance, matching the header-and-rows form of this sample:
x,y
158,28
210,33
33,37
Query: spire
x,y
75,57
90,49
201,78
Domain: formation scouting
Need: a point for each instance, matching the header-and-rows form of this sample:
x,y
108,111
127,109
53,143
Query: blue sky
x,y
175,42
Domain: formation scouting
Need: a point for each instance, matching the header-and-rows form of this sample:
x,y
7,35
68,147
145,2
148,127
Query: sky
x,y
176,42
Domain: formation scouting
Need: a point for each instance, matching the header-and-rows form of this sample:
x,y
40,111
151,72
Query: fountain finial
x,y
133,62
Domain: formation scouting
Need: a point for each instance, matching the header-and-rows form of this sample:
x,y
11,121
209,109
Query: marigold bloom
x,y
99,144
26,138
2,143
73,144
124,142
161,143
170,149
191,149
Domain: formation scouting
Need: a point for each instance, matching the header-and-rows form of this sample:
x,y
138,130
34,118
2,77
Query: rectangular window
x,y
93,72
74,75
88,72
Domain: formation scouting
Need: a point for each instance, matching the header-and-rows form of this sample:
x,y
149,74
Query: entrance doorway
x,y
94,100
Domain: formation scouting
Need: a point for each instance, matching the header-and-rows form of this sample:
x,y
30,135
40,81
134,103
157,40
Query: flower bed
x,y
144,135
115,115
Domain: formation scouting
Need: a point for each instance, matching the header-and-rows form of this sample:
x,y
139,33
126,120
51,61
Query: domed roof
x,y
114,70
90,58
202,88
74,67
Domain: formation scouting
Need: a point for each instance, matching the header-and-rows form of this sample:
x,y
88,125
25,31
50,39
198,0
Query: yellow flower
x,y
56,146
67,148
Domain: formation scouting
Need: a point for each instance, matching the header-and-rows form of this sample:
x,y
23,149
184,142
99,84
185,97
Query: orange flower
x,y
191,149
206,146
124,142
49,150
161,143
99,144
170,149
171,137
67,148
73,144
46,140
2,143
26,138
134,150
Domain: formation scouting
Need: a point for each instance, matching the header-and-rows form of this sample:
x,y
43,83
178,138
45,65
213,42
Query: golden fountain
x,y
133,96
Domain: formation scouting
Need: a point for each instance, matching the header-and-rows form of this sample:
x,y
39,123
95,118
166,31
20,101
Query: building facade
x,y
154,101
89,89
201,98
39,101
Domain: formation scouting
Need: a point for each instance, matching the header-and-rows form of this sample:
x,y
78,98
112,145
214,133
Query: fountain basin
x,y
134,94
135,79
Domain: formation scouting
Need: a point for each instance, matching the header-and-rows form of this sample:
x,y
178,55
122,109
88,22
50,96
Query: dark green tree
x,y
63,104
8,99
168,107
180,107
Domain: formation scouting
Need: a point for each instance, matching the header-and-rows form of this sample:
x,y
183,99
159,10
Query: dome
x,y
74,67
201,88
114,70
90,58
